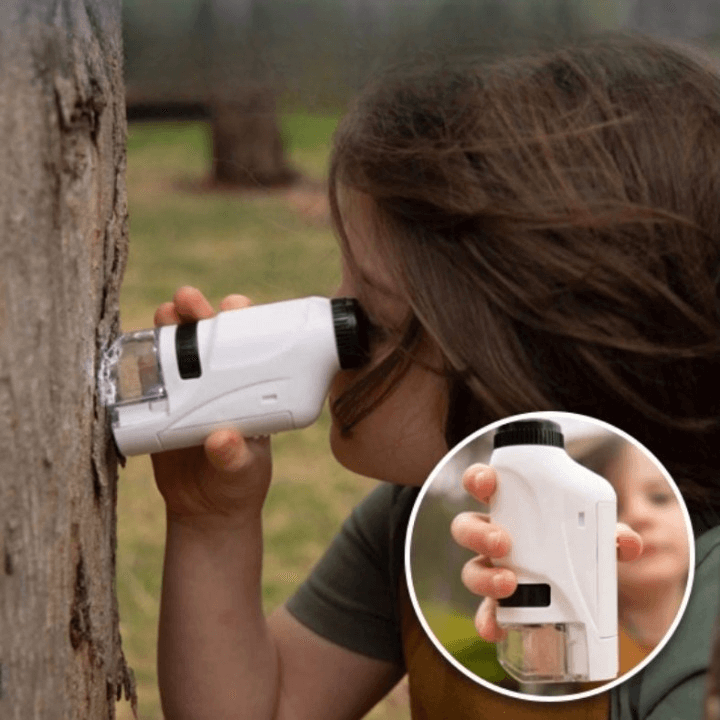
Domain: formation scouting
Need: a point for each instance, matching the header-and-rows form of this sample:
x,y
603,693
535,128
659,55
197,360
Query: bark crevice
x,y
80,620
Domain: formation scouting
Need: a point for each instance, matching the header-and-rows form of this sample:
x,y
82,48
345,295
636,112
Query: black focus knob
x,y
351,332
529,432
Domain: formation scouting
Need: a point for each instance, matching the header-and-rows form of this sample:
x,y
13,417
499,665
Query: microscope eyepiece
x,y
529,432
351,332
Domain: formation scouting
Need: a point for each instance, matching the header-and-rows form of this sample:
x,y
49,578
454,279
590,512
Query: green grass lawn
x,y
268,246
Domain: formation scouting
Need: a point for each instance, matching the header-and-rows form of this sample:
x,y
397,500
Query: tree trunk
x,y
64,243
248,149
247,145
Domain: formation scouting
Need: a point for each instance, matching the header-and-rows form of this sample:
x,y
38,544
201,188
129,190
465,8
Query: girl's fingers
x,y
192,305
486,622
480,481
166,314
475,532
235,302
480,578
629,543
189,305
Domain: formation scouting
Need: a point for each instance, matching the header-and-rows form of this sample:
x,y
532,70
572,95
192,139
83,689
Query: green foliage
x,y
456,632
436,566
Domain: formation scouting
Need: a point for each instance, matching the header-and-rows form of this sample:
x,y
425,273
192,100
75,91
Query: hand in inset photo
x,y
576,540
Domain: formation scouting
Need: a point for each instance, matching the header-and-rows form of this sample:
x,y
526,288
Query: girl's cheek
x,y
341,382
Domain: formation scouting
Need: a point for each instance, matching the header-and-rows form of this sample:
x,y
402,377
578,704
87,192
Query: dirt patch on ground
x,y
306,196
310,200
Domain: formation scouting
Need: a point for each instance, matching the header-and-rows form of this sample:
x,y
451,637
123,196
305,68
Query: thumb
x,y
226,450
486,622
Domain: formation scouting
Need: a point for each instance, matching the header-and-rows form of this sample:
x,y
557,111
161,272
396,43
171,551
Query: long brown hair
x,y
554,222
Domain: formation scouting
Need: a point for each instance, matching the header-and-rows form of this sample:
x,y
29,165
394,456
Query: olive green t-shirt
x,y
674,684
351,597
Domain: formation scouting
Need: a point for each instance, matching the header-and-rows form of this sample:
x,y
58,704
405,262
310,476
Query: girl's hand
x,y
477,532
228,476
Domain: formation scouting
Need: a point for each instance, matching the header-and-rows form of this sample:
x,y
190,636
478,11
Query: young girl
x,y
650,589
538,234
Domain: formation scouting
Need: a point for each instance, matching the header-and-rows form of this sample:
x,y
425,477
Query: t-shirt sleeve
x,y
350,597
673,685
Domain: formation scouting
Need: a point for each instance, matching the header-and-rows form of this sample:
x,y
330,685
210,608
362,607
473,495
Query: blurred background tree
x,y
239,63
316,53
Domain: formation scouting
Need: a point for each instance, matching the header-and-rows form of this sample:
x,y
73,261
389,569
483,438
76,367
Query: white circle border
x,y
549,415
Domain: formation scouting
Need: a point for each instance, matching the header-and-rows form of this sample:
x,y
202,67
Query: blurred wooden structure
x,y
234,61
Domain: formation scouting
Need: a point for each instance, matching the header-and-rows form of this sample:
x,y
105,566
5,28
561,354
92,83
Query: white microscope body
x,y
260,370
562,621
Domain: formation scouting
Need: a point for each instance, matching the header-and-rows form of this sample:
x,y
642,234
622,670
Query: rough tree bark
x,y
63,221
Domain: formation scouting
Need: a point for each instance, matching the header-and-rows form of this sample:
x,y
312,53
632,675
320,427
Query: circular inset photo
x,y
571,615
